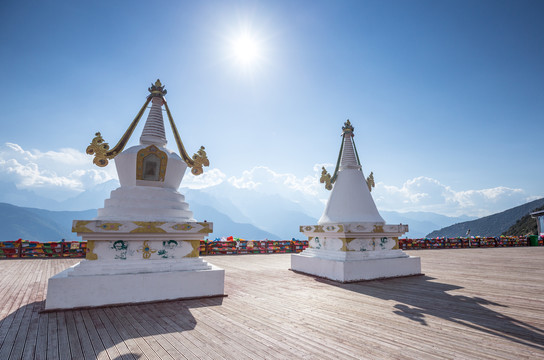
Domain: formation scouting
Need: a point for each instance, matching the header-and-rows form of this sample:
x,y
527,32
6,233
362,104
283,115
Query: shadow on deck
x,y
86,333
420,296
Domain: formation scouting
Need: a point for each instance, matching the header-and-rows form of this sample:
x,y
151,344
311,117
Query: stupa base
x,y
356,270
70,290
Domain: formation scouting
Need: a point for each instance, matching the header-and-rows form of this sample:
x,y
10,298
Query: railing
x,y
76,249
35,249
471,242
252,247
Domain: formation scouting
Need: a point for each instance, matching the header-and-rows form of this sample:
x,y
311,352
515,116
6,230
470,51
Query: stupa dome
x,y
150,175
350,201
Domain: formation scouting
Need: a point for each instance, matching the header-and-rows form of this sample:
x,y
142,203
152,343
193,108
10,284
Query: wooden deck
x,y
471,304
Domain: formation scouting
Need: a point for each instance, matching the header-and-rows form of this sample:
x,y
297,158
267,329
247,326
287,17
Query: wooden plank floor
x,y
471,304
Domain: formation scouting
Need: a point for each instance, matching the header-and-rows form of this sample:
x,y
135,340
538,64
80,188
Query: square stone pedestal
x,y
355,252
69,290
356,270
136,261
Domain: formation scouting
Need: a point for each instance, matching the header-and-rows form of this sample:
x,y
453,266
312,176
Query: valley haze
x,y
248,214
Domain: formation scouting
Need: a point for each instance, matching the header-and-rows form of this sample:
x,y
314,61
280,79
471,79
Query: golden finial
x,y
157,89
102,152
347,126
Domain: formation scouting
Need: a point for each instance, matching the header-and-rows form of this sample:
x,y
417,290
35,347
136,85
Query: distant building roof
x,y
537,213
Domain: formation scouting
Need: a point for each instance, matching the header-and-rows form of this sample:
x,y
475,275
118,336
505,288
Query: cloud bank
x,y
210,177
264,179
427,194
53,174
67,172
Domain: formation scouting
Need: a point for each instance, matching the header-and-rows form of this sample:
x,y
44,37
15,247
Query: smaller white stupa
x,y
351,241
144,244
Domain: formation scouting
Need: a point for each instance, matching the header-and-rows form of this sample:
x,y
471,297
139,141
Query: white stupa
x,y
351,241
144,244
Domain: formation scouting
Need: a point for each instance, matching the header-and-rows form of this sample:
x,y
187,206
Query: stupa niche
x,y
351,240
144,244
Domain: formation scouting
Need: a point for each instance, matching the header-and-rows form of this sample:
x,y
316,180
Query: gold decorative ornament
x,y
80,227
347,128
148,227
396,247
199,159
325,178
146,250
90,255
183,227
157,89
99,149
378,229
110,226
196,249
102,153
345,243
370,181
205,228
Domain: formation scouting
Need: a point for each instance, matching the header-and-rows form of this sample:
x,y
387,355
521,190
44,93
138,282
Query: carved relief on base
x,y
353,244
145,249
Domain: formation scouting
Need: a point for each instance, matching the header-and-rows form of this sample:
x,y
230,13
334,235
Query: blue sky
x,y
447,97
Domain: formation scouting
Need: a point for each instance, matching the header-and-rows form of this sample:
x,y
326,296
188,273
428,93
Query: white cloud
x,y
266,180
418,194
210,177
54,174
427,194
91,177
67,172
306,191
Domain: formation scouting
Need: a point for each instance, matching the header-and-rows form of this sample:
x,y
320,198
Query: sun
x,y
245,49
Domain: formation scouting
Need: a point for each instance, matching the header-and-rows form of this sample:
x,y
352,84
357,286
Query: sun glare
x,y
245,49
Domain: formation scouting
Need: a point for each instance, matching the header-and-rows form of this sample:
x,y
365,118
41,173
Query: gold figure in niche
x,y
151,164
151,167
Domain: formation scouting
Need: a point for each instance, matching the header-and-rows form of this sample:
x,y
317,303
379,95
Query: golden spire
x,y
347,156
157,89
102,153
347,127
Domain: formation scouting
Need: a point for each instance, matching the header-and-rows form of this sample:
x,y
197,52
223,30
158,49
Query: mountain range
x,y
492,225
245,213
38,224
527,225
